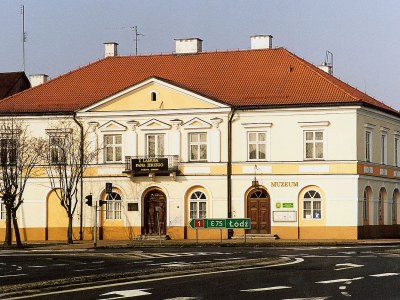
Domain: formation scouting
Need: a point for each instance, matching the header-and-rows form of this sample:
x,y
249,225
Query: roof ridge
x,y
196,53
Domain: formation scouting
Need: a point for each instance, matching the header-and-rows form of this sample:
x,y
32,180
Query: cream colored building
x,y
258,134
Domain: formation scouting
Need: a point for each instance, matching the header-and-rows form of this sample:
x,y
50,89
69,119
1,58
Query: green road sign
x,y
220,223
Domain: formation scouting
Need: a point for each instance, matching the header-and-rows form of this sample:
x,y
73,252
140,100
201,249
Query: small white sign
x,y
285,216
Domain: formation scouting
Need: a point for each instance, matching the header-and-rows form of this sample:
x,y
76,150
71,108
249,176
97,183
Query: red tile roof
x,y
268,77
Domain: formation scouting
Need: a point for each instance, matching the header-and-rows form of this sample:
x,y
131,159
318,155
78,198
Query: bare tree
x,y
67,156
19,154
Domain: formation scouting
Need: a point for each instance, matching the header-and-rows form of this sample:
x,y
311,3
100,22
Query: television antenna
x,y
135,33
24,37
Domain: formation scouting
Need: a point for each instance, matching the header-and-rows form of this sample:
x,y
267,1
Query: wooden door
x,y
155,212
258,210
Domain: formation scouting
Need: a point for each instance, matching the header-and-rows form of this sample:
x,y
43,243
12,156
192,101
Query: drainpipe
x,y
81,166
229,168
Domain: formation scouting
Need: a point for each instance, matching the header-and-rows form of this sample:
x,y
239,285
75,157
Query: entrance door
x,y
259,210
155,212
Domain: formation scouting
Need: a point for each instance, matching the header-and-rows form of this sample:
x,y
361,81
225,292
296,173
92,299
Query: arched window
x,y
258,193
365,205
381,203
153,96
396,194
113,208
198,205
312,205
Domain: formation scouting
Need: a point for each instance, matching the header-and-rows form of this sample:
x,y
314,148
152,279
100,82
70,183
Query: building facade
x,y
258,134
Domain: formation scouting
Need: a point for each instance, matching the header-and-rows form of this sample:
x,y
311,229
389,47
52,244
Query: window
x,y
113,148
257,145
395,202
113,207
312,205
198,146
57,149
383,148
8,151
155,145
198,205
3,215
153,96
314,144
381,203
368,146
397,151
365,205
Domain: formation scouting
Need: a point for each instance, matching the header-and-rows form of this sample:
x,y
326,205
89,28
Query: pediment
x,y
154,94
196,123
112,126
154,124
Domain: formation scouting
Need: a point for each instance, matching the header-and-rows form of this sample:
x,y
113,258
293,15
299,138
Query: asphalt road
x,y
359,272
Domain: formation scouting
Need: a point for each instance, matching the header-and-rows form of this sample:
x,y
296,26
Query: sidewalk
x,y
104,244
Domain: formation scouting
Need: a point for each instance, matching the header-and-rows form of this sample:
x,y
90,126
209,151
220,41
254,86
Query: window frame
x,y
8,152
198,144
368,145
313,142
384,144
114,146
312,208
113,209
195,198
257,143
156,144
396,150
3,211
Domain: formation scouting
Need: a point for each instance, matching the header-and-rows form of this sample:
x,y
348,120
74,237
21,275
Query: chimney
x,y
188,46
327,65
326,68
38,79
261,41
110,49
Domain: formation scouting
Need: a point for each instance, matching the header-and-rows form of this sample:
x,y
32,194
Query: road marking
x,y
232,258
169,254
347,266
267,289
296,261
84,270
127,294
183,298
11,275
339,280
36,266
346,294
385,274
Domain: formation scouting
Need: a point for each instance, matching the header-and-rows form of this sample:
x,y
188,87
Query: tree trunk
x,y
16,229
8,236
70,240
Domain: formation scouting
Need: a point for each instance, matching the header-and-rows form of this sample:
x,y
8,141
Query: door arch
x,y
56,218
259,211
155,212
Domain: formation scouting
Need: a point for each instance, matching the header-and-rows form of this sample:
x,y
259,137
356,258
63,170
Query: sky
x,y
62,35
